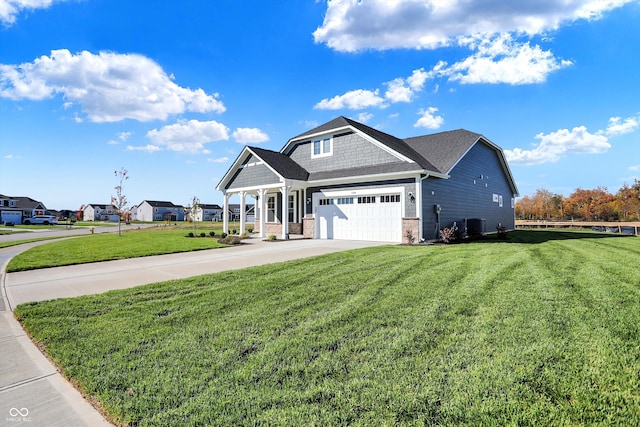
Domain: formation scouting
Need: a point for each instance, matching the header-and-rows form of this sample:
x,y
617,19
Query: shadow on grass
x,y
541,236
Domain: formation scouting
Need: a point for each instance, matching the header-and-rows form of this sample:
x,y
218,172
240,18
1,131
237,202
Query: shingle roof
x,y
160,204
444,149
281,163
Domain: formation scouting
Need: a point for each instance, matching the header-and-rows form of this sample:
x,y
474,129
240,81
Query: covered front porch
x,y
279,210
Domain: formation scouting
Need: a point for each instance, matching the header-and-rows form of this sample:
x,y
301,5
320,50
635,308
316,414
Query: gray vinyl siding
x,y
408,184
349,151
468,193
251,176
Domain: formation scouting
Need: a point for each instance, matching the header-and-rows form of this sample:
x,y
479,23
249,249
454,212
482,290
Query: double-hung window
x,y
322,147
271,209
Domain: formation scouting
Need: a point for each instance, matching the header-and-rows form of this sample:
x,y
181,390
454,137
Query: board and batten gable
x,y
477,188
350,151
252,171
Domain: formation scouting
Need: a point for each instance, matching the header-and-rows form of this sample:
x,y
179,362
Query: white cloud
x,y
219,160
501,60
554,145
123,136
189,136
354,25
149,148
619,127
250,136
9,9
109,87
429,119
353,100
635,168
364,117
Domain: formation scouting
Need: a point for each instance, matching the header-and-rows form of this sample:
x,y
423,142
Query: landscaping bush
x,y
203,234
244,235
230,240
272,237
191,234
234,231
250,230
212,233
223,235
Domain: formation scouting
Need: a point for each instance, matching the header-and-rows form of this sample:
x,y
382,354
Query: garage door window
x,y
366,199
390,198
344,200
326,202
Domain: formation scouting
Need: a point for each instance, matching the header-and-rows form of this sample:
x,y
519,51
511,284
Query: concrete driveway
x,y
31,388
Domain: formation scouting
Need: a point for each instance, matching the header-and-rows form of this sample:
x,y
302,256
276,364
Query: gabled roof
x,y
281,163
26,202
342,123
160,204
207,206
444,149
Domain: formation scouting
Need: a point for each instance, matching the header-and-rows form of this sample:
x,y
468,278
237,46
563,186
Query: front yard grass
x,y
110,246
541,329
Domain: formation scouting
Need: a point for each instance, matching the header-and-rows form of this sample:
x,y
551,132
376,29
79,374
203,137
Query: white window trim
x,y
322,153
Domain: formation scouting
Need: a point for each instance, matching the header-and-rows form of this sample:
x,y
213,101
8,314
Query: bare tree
x,y
193,211
119,201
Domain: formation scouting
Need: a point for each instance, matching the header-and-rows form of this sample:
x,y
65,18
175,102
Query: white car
x,y
41,219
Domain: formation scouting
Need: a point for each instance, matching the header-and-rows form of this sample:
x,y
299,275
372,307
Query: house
x,y
234,212
16,209
207,212
154,210
100,212
346,180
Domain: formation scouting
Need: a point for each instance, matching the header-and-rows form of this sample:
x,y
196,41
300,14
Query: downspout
x,y
419,210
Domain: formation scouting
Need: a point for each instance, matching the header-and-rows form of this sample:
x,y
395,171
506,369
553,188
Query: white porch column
x,y
225,216
285,211
262,202
243,211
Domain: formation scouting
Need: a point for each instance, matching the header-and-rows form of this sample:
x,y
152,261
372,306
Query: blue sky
x,y
172,90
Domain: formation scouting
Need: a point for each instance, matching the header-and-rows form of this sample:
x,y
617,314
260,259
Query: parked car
x,y
41,219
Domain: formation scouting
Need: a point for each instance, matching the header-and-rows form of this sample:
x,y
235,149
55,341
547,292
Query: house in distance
x,y
346,180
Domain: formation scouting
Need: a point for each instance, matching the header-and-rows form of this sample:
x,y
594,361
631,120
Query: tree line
x,y
582,205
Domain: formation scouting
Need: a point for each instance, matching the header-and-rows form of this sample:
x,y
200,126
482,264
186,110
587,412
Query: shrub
x,y
223,235
250,230
244,235
230,240
234,231
212,233
272,237
502,231
191,234
448,235
203,234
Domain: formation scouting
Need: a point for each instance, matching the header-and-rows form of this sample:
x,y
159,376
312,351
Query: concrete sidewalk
x,y
31,389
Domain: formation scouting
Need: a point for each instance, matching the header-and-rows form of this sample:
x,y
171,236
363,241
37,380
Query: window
x,y
271,209
322,147
366,199
344,200
326,202
390,198
12,203
500,201
292,208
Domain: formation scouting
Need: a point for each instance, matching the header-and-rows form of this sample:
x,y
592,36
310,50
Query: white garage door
x,y
11,216
360,217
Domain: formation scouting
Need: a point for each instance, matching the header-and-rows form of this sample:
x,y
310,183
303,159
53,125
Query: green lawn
x,y
542,329
110,246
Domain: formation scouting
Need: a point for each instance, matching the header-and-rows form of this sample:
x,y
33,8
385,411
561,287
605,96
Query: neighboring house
x,y
154,210
16,209
98,212
234,212
133,213
346,180
206,212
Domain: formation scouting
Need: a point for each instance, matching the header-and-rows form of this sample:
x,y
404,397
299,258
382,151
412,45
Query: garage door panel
x,y
361,221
